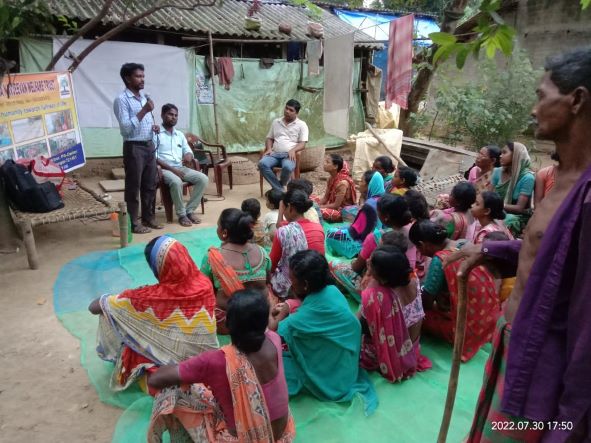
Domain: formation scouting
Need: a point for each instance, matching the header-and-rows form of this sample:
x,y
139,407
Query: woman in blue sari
x,y
347,241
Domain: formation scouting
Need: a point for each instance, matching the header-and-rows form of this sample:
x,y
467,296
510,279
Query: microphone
x,y
151,112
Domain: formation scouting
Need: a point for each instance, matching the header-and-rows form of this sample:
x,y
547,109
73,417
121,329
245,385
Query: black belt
x,y
138,142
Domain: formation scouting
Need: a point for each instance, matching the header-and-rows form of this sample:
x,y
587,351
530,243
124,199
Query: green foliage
x,y
21,18
314,11
491,34
585,4
495,106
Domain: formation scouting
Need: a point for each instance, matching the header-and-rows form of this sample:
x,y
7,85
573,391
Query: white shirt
x,y
286,135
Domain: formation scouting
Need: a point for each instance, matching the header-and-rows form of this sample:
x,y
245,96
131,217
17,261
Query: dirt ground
x,y
45,395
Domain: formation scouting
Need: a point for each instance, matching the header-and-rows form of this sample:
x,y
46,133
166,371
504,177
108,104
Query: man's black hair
x,y
167,107
293,103
128,69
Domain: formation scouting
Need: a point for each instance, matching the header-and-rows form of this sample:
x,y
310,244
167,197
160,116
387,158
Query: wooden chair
x,y
277,170
218,160
165,190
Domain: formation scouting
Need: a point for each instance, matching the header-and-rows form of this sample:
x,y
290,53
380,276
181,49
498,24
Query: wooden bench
x,y
79,203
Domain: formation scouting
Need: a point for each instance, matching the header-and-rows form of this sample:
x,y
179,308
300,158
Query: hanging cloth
x,y
399,61
313,54
374,86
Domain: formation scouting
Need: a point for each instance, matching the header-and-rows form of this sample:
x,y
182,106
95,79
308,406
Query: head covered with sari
x,y
375,187
520,165
342,175
162,323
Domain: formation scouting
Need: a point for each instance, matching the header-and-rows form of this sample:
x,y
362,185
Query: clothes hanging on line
x,y
313,54
400,61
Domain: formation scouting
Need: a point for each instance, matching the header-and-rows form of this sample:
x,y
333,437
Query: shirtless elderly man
x,y
537,383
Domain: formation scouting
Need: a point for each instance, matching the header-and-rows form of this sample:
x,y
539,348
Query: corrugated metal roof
x,y
223,20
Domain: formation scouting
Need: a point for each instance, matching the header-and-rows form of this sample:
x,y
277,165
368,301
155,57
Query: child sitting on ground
x,y
313,214
488,210
404,179
391,307
269,223
252,207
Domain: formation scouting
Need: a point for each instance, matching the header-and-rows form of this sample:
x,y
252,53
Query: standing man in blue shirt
x,y
133,110
171,150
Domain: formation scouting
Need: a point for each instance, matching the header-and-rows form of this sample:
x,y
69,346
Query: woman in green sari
x,y
323,336
514,181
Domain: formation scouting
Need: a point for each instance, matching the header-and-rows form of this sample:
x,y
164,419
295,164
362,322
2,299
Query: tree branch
x,y
126,24
81,32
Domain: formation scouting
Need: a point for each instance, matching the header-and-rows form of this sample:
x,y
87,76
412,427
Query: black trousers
x,y
141,180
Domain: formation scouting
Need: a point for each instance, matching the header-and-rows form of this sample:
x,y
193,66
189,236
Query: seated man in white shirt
x,y
287,136
171,150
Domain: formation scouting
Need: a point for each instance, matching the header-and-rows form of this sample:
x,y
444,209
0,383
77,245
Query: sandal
x,y
185,221
141,230
196,220
153,225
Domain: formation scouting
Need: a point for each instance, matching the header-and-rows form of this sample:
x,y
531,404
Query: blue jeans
x,y
275,159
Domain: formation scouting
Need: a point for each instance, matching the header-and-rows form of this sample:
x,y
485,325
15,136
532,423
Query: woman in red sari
x,y
440,291
141,329
340,189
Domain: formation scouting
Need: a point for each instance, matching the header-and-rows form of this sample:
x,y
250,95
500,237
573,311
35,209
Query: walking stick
x,y
452,386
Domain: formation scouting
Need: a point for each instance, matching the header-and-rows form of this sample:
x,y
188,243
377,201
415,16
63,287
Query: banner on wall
x,y
38,117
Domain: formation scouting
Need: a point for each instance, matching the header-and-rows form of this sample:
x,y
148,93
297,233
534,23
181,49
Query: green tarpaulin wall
x,y
257,96
245,111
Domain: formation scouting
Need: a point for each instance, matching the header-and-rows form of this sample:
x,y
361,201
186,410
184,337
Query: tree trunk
x,y
81,32
422,81
9,240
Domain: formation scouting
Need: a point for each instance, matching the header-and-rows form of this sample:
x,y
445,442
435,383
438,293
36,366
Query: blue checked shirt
x,y
126,107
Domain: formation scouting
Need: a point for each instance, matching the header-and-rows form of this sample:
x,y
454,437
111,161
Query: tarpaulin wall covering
x,y
257,96
244,112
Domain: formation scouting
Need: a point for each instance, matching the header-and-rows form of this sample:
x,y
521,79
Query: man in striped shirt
x,y
133,110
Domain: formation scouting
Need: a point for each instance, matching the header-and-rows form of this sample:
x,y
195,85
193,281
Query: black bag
x,y
24,193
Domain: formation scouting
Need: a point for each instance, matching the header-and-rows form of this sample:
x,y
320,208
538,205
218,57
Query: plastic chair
x,y
218,159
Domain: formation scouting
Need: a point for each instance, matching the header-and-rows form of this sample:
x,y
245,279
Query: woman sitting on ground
x,y
238,392
346,241
323,337
340,189
313,214
514,182
237,264
480,175
458,219
394,215
489,214
391,314
138,343
404,178
293,235
440,291
385,166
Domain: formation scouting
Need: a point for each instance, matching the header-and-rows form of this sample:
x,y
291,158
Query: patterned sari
x,y
293,239
195,415
388,347
334,184
484,309
159,324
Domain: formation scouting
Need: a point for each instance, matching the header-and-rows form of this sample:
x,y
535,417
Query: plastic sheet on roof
x,y
377,24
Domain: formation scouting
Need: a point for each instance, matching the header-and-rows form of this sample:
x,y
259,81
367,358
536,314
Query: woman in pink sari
x,y
390,341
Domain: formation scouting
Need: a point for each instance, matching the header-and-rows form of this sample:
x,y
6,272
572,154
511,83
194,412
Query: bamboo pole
x,y
215,112
452,386
378,138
